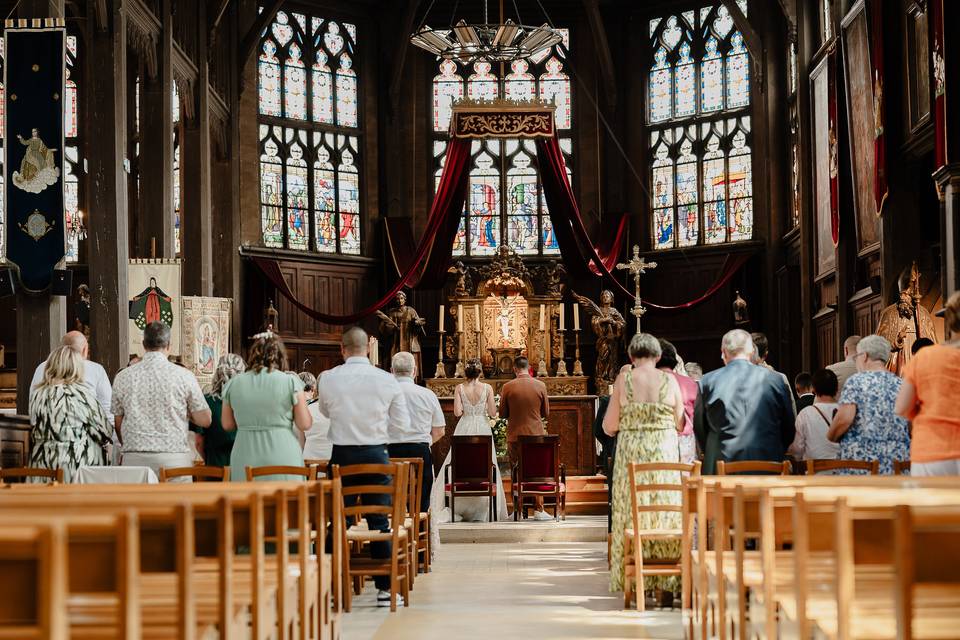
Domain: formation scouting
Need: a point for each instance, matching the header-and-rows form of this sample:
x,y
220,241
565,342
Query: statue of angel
x,y
608,325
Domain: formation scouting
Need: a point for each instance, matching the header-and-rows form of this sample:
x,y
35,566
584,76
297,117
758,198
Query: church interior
x,y
479,190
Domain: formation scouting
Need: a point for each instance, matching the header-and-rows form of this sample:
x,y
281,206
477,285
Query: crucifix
x,y
636,267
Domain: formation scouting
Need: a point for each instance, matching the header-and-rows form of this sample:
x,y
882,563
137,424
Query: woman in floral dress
x,y
866,425
69,427
645,413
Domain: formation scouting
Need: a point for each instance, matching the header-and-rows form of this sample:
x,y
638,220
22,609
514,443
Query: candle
x,y
460,318
576,317
563,324
476,318
441,318
542,313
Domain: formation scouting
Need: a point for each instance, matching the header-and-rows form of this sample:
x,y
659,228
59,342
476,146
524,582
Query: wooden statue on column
x,y
904,322
405,326
608,325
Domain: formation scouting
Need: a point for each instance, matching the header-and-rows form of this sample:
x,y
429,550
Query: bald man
x,y
93,374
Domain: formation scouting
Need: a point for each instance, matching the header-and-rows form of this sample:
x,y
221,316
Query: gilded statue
x,y
903,322
405,326
608,325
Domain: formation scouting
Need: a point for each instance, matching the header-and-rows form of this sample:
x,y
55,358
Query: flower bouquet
x,y
499,428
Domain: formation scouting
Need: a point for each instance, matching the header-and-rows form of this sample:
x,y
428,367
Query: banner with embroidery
x,y
502,119
33,151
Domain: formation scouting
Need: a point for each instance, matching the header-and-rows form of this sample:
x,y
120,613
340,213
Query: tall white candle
x,y
563,323
460,318
476,318
441,318
542,313
576,317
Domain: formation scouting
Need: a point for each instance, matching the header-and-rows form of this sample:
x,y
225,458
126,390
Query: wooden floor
x,y
505,591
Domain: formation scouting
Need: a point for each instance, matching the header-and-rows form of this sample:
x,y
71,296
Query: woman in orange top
x,y
928,397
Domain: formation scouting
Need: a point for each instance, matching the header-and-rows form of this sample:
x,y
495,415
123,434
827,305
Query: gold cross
x,y
636,267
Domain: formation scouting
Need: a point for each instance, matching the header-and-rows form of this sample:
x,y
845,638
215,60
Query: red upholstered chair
x,y
539,473
471,472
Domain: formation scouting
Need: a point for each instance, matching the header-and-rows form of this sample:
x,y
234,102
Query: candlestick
x,y
479,350
542,365
476,318
577,365
576,317
562,365
459,373
459,318
563,323
542,313
441,371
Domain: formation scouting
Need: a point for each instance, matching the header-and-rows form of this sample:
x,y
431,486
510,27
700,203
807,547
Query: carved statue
x,y
608,325
271,319
463,286
903,322
552,275
405,325
741,315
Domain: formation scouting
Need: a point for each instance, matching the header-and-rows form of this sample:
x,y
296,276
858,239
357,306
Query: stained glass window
x,y
309,166
506,202
698,93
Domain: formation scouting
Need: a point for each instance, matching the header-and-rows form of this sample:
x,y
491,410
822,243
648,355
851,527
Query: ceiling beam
x,y
400,54
249,43
602,47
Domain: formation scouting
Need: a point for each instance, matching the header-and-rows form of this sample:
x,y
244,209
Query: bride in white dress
x,y
472,402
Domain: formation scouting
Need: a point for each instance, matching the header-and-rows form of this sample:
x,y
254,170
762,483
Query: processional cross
x,y
637,267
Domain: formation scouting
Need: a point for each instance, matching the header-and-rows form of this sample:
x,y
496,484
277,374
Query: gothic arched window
x,y
309,134
698,115
505,203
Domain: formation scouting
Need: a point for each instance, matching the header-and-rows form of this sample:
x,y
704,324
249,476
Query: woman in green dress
x,y
218,442
646,414
265,404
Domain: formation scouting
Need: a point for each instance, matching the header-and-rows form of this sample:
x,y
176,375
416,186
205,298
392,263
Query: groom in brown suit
x,y
523,402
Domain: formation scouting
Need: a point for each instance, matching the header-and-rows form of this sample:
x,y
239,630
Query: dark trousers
x,y
374,454
417,450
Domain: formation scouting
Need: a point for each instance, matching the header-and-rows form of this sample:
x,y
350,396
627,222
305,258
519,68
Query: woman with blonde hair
x,y
69,427
218,442
264,404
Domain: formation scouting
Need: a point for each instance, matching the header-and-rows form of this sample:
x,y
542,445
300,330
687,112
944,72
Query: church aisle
x,y
504,591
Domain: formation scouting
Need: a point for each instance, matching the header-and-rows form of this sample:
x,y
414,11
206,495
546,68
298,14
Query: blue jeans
x,y
373,454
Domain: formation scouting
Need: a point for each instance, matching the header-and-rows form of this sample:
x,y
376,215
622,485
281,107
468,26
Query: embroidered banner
x,y
33,76
154,287
206,335
502,119
834,147
880,187
939,86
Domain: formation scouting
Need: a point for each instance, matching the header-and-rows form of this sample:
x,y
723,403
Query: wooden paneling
x,y
828,350
866,314
14,441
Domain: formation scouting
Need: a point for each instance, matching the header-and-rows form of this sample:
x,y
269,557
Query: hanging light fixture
x,y
503,41
76,229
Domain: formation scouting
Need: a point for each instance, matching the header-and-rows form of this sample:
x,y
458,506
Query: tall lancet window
x,y
698,116
310,134
505,204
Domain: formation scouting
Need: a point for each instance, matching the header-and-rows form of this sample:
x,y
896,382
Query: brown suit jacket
x,y
523,401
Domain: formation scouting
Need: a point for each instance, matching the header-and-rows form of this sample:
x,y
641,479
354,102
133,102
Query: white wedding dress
x,y
474,422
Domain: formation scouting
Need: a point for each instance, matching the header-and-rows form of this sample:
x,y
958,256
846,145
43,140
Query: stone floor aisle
x,y
505,591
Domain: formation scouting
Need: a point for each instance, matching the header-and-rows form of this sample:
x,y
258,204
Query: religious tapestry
x,y
941,157
154,287
206,334
33,153
824,164
862,139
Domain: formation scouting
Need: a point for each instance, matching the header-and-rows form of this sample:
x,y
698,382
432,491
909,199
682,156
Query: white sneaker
x,y
383,599
542,516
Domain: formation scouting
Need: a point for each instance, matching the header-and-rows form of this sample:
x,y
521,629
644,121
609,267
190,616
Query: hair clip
x,y
263,335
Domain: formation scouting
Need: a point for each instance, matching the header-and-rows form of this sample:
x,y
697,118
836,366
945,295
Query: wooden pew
x,y
33,561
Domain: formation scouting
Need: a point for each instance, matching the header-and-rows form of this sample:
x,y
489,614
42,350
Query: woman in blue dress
x,y
865,424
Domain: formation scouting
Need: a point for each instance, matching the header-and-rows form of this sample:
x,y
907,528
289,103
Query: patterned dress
x,y
877,433
647,433
69,430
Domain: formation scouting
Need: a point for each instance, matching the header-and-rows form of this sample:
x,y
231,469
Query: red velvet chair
x,y
539,473
471,472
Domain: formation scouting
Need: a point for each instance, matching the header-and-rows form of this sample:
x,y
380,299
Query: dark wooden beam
x,y
108,256
215,18
602,47
400,53
252,38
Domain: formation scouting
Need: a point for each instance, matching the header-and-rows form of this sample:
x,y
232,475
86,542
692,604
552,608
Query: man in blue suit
x,y
744,411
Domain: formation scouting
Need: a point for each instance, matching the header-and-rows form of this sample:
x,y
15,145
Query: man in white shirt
x,y
848,366
364,404
427,423
152,403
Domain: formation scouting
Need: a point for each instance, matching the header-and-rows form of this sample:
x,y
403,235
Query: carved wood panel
x,y
14,441
866,315
826,340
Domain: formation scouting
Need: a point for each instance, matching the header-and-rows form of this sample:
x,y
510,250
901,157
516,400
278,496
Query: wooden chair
x,y
356,564
901,467
539,473
198,473
816,466
634,569
420,519
20,474
471,472
758,467
308,473
33,592
322,466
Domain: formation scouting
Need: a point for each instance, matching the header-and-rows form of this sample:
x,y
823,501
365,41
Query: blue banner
x,y
33,152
